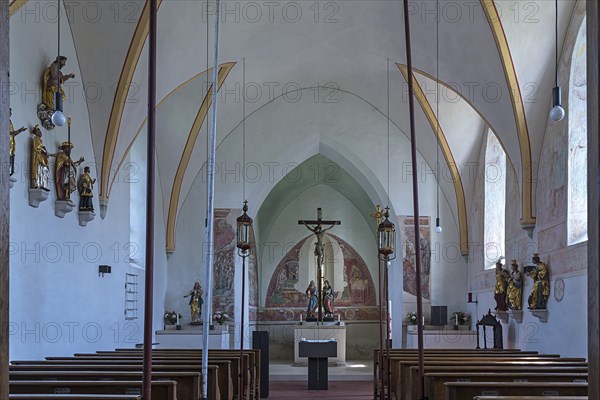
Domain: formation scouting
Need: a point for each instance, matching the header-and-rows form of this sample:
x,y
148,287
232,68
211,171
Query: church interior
x,y
324,124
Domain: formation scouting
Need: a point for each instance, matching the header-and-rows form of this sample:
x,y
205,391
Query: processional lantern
x,y
386,235
244,222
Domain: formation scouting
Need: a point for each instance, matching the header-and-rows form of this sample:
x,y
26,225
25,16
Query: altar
x,y
190,337
312,331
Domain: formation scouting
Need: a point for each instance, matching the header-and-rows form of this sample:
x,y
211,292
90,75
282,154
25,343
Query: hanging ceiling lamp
x,y
58,118
557,113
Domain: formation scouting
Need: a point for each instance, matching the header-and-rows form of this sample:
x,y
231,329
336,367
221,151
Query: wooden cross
x,y
318,230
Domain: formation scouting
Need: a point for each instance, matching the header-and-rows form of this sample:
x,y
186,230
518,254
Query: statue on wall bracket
x,y
85,186
49,88
538,298
65,172
502,277
39,171
514,291
13,145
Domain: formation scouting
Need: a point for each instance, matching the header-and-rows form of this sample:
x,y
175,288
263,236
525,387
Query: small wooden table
x,y
317,352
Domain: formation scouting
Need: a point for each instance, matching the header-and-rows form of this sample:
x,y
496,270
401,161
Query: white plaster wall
x,y
565,332
59,304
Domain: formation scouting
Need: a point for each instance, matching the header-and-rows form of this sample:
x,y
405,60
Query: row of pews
x,y
117,375
464,374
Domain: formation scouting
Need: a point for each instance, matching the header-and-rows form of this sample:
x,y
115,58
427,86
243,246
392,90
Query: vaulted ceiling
x,y
494,61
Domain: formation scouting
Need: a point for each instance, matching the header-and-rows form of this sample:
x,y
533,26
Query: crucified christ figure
x,y
316,227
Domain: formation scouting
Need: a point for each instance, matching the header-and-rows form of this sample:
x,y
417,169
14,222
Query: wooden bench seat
x,y
438,352
161,390
451,356
251,362
530,398
435,390
73,397
252,383
188,383
222,370
469,390
462,369
186,359
400,367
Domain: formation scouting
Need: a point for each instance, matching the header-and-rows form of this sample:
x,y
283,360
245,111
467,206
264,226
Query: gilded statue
x,y
502,276
195,303
514,292
328,299
65,172
313,299
13,144
538,298
50,81
85,186
39,171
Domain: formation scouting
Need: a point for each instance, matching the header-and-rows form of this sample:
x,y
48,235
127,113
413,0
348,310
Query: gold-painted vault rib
x,y
450,161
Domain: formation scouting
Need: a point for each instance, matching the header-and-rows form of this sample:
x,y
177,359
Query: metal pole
x,y
381,389
210,207
242,372
149,283
387,326
413,150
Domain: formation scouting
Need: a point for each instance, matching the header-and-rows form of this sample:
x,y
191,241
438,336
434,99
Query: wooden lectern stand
x,y
317,352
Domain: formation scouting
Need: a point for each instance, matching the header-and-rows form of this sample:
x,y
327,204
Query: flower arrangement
x,y
220,317
171,317
411,318
460,318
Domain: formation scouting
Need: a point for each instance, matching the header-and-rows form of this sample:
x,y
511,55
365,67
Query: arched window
x,y
577,115
495,200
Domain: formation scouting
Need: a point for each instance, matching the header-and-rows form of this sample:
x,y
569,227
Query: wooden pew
x,y
161,390
414,372
188,383
227,377
469,390
435,390
73,397
179,357
253,367
221,368
531,398
400,366
440,352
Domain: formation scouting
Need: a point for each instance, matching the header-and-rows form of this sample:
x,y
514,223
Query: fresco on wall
x,y
409,260
224,261
286,300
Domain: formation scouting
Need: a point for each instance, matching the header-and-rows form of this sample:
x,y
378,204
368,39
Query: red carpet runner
x,y
352,390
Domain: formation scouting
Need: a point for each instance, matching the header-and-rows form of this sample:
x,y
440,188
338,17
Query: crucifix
x,y
316,227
